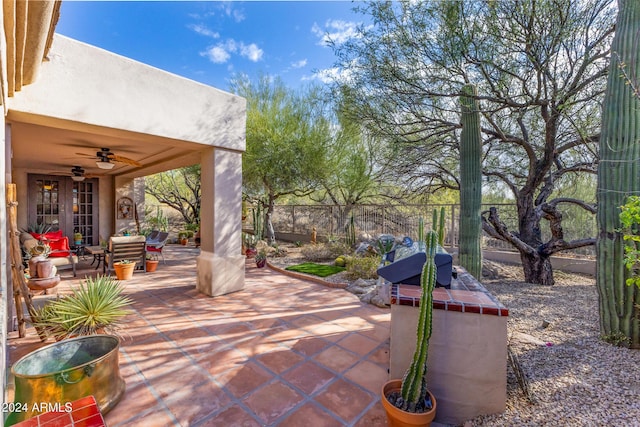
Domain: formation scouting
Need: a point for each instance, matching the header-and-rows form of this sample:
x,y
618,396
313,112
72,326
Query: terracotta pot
x,y
124,271
33,264
399,418
151,265
45,269
184,242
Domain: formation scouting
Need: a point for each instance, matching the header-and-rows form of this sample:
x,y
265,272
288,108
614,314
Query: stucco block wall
x,y
467,360
85,84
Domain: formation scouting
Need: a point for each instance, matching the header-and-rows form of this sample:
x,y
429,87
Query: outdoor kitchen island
x,y
467,351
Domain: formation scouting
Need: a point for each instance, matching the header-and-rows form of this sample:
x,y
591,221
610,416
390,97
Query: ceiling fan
x,y
78,174
106,159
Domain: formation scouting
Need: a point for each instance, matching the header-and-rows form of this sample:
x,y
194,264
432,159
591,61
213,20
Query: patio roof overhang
x,y
87,98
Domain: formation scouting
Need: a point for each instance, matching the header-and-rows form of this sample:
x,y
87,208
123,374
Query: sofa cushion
x,y
59,247
52,235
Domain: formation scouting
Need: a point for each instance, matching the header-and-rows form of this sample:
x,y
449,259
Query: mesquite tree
x,y
540,68
619,177
469,242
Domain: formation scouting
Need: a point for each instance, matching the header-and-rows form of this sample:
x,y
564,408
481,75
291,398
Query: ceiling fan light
x,y
105,164
77,178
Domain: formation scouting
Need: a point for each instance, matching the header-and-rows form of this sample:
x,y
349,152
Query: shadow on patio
x,y
283,352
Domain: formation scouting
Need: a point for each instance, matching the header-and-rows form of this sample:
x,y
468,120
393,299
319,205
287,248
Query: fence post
x,y
453,225
293,219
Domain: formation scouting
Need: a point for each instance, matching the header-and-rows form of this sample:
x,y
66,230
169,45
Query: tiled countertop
x,y
466,295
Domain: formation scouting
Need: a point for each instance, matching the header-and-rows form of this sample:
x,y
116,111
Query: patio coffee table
x,y
98,256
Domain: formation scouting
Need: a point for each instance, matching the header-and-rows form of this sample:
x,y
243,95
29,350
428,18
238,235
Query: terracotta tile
x,y
176,379
256,345
244,379
374,417
337,358
381,355
310,415
156,416
309,346
190,404
234,416
344,399
217,362
329,331
279,361
358,344
308,377
136,400
272,401
368,375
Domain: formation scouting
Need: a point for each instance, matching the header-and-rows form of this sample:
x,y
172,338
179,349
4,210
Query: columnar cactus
x,y
469,252
414,383
618,177
258,222
350,232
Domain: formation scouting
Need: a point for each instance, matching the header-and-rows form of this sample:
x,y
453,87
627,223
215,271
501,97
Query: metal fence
x,y
402,220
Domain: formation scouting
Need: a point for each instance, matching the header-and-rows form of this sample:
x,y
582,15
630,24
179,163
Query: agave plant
x,y
97,305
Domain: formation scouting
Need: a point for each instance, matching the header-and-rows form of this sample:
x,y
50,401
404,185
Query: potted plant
x,y
249,244
408,401
96,306
77,238
151,263
124,269
126,233
183,238
261,257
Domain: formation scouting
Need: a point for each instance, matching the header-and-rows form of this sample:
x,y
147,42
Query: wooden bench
x,y
133,248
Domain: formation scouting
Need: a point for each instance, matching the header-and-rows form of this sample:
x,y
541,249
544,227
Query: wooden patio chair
x,y
133,248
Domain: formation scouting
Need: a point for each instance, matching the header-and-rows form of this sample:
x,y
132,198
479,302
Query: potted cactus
x,y
408,401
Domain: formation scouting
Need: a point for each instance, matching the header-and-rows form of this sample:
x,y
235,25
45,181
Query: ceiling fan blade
x,y
125,160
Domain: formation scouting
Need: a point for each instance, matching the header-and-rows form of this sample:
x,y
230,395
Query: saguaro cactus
x,y
414,383
470,234
618,177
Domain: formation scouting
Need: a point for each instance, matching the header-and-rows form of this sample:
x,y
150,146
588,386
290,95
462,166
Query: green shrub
x,y
362,267
325,251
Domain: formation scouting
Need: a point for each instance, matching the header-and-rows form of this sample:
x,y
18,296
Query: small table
x,y
98,255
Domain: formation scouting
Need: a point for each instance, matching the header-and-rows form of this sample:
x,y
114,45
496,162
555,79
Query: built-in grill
x,y
407,262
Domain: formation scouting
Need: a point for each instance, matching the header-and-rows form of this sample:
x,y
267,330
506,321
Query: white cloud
x,y
330,75
299,64
335,30
221,53
217,54
203,30
251,52
229,10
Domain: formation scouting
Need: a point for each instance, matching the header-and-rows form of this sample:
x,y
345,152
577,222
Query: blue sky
x,y
210,41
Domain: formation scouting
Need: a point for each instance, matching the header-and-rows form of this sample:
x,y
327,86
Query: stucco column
x,y
220,264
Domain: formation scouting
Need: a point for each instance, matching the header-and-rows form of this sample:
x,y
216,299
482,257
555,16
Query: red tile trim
x,y
84,413
474,296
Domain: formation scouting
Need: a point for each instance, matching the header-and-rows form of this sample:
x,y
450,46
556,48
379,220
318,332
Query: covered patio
x,y
283,351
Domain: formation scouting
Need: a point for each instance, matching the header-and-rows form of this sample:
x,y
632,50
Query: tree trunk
x,y
618,177
268,221
537,268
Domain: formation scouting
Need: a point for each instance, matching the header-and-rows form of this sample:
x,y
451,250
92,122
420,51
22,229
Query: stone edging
x,y
308,277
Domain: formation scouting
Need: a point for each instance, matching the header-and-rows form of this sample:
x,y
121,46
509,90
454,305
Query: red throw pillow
x,y
61,245
52,235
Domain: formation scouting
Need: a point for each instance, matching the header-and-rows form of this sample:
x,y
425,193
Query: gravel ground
x,y
574,378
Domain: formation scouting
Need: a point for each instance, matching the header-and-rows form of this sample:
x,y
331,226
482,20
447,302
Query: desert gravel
x,y
574,377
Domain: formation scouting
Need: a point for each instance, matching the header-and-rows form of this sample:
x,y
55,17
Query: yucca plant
x,y
97,305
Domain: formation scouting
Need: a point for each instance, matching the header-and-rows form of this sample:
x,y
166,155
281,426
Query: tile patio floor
x,y
282,352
